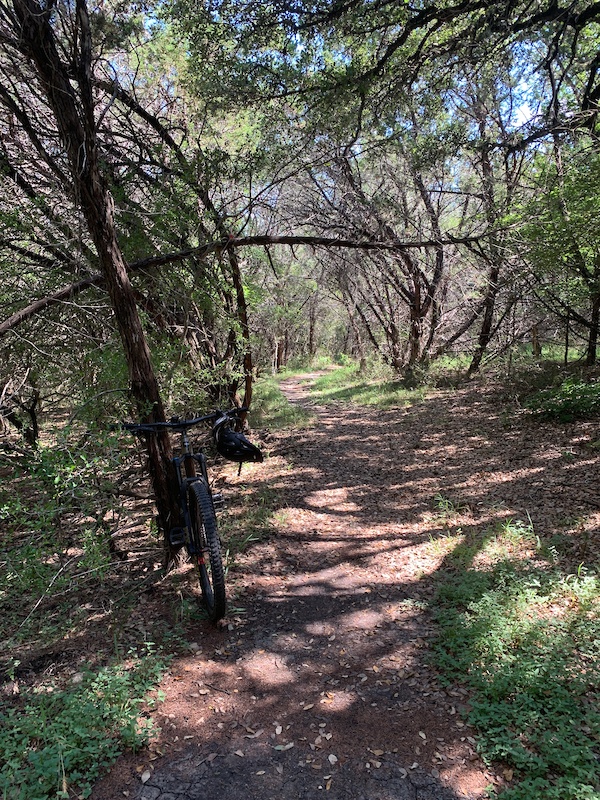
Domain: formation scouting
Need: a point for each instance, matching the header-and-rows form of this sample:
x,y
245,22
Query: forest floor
x,y
319,682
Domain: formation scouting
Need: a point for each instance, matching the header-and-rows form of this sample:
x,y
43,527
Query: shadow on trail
x,y
318,689
391,464
321,682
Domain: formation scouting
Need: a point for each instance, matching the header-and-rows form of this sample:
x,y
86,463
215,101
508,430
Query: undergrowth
x,y
271,409
53,510
377,386
573,399
56,502
524,637
57,740
247,521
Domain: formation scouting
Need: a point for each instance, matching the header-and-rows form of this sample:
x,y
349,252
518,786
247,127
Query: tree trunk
x,y
242,314
485,332
74,115
416,325
312,327
495,259
360,347
536,346
592,347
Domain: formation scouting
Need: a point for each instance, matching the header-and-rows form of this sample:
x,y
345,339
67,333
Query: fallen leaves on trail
x,y
367,641
254,734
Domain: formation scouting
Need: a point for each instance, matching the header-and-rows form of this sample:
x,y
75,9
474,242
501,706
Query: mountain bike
x,y
199,534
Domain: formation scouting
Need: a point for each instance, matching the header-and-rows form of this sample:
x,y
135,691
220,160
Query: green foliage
x,y
564,218
61,739
250,520
573,399
447,507
40,554
557,234
526,641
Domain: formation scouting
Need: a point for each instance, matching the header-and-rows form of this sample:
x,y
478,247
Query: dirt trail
x,y
319,682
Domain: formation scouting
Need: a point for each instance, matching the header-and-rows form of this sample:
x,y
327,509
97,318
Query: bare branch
x,y
66,292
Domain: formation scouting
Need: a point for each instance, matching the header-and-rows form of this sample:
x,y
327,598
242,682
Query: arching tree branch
x,y
73,289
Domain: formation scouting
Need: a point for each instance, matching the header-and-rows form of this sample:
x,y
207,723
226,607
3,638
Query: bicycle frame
x,y
187,472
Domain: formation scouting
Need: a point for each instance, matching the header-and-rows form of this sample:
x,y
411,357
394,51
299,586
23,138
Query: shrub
x,y
62,739
573,399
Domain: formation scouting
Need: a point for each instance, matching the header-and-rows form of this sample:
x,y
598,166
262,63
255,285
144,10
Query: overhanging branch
x,y
73,289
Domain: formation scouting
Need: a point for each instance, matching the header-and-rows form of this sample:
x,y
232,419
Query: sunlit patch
x,y
267,669
363,620
338,701
464,779
332,500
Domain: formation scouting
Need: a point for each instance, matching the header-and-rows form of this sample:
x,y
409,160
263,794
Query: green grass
x,y
60,740
271,409
377,387
524,637
250,520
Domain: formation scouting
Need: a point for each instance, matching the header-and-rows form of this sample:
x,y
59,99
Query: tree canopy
x,y
381,168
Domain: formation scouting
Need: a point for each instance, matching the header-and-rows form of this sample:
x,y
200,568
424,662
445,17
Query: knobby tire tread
x,y
205,536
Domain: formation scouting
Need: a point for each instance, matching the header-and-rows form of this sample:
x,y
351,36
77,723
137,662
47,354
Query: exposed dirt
x,y
319,683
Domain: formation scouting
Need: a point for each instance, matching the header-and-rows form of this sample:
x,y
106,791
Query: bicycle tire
x,y
205,550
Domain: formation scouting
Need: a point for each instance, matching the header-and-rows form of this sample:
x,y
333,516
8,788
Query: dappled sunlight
x,y
266,670
335,499
323,667
395,465
319,673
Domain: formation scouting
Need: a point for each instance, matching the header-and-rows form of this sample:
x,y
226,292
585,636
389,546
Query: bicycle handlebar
x,y
177,424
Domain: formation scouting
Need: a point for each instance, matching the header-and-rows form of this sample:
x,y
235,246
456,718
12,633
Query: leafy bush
x,y
58,740
53,503
573,399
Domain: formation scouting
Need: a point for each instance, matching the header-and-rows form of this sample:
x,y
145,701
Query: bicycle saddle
x,y
232,445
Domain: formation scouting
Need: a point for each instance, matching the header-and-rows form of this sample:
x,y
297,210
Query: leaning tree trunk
x,y
492,285
74,115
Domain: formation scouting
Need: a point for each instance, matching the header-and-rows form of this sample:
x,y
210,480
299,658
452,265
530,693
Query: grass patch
x,y
249,520
573,399
271,409
59,740
525,639
377,387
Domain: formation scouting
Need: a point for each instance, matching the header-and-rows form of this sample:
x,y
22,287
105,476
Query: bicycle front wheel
x,y
205,549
